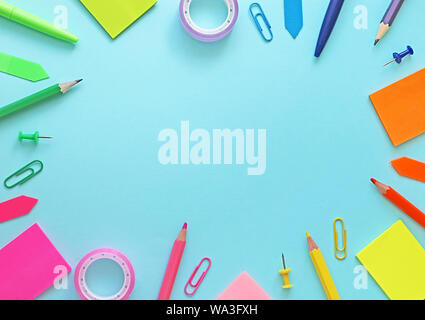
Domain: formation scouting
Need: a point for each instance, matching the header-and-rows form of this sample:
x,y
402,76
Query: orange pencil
x,y
400,202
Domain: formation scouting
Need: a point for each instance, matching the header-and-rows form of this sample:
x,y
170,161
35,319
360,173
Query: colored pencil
x,y
328,24
322,270
173,265
401,202
388,19
37,97
13,13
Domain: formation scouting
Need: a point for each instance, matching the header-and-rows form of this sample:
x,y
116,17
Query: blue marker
x,y
398,57
328,24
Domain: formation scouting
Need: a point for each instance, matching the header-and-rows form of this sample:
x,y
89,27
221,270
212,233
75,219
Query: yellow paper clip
x,y
344,240
285,274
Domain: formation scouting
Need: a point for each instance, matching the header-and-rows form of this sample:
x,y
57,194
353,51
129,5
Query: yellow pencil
x,y
322,270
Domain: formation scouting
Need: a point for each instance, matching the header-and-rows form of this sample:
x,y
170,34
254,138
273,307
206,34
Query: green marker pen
x,y
27,19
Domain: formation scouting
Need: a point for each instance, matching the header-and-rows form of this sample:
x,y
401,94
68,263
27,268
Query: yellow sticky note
x,y
396,261
117,15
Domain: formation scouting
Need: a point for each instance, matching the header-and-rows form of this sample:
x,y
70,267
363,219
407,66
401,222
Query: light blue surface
x,y
103,186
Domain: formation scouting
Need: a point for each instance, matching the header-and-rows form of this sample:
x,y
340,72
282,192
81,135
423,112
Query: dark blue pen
x,y
328,24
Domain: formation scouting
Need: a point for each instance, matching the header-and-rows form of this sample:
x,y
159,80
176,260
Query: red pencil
x,y
400,202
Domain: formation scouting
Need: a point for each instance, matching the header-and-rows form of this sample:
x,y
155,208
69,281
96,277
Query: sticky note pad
x,y
29,265
244,288
396,261
117,15
401,107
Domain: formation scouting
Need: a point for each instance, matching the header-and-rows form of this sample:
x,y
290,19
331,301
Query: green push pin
x,y
34,137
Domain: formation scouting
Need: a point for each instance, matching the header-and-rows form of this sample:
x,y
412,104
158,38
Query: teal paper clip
x,y
262,15
27,168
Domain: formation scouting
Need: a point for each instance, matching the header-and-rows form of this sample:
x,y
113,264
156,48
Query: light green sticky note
x,y
117,15
22,68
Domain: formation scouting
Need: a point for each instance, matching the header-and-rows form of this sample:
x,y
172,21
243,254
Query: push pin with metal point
x,y
285,274
34,137
398,57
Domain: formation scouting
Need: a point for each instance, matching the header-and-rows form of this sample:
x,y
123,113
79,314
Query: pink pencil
x,y
173,265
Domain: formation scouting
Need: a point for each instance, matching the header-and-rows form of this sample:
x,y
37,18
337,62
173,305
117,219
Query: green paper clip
x,y
27,168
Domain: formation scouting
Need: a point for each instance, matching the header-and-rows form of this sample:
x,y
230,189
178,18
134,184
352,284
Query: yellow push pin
x,y
285,274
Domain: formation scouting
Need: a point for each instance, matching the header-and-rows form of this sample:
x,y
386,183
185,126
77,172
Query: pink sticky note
x,y
16,207
244,288
29,265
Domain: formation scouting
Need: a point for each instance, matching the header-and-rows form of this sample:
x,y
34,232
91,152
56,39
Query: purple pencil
x,y
388,19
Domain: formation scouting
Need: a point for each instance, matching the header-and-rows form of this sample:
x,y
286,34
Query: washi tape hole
x,y
105,277
208,14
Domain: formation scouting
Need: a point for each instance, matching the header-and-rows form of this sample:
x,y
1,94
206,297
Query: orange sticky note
x,y
410,168
401,107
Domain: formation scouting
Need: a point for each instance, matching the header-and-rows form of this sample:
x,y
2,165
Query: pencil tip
x,y
373,180
307,234
185,226
68,85
376,41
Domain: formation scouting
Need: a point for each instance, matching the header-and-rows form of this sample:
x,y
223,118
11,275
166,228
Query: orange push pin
x,y
285,274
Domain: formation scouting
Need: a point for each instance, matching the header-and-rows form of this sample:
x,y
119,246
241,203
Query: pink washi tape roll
x,y
110,254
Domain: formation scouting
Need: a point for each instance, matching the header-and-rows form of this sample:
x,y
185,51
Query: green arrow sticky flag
x,y
22,68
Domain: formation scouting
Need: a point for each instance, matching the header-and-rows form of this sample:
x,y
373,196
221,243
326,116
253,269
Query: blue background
x,y
103,186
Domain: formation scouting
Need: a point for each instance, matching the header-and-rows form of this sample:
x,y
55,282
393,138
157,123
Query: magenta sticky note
x,y
29,265
244,288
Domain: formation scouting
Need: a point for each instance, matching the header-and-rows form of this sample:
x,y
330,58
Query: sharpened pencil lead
x,y
376,41
59,88
388,18
68,85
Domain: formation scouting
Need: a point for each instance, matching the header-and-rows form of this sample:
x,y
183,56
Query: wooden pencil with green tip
x,y
37,97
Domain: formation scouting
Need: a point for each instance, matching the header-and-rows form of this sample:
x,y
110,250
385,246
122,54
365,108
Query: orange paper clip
x,y
198,283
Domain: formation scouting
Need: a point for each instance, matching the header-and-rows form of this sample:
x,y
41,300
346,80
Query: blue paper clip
x,y
27,169
198,283
255,17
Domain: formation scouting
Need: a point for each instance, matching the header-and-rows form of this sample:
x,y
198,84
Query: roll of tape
x,y
110,254
209,35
